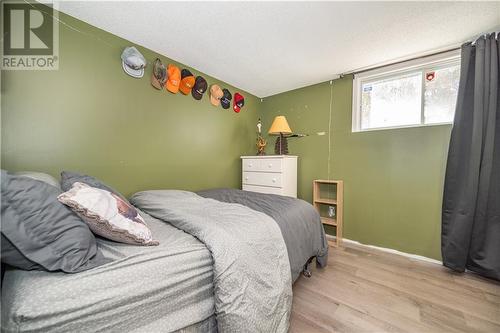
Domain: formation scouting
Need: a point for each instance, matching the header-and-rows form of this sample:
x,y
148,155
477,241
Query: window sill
x,y
401,127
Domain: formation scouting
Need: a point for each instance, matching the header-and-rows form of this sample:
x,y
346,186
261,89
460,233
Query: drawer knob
x,y
246,178
270,165
250,165
274,180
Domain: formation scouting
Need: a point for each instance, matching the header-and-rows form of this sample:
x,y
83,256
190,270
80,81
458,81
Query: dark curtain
x,y
470,237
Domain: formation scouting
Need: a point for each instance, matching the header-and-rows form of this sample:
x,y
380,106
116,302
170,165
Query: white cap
x,y
133,62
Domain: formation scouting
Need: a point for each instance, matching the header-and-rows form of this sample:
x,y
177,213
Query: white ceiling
x,y
269,47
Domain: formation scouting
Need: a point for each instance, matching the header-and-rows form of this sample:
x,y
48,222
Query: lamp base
x,y
281,145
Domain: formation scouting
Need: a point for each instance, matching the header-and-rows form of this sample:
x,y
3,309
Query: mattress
x,y
161,288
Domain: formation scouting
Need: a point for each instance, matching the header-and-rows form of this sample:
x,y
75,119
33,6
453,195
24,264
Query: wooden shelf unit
x,y
338,202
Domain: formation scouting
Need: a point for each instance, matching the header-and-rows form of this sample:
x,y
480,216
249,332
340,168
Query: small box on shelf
x,y
328,196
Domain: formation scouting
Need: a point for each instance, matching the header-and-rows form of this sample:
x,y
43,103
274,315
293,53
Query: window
x,y
415,93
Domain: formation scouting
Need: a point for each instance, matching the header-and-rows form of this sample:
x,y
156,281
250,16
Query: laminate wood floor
x,y
367,290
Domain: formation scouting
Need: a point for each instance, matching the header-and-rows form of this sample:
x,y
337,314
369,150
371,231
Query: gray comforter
x,y
299,222
252,280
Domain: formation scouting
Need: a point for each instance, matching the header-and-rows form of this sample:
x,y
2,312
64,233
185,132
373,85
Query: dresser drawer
x,y
251,164
262,178
271,165
263,189
263,164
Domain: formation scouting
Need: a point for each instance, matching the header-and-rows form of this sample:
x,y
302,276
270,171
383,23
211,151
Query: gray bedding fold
x,y
299,223
252,282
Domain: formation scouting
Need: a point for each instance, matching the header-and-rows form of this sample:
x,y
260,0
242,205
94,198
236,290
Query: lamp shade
x,y
280,125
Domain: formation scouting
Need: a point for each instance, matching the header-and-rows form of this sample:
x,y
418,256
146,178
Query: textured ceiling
x,y
269,47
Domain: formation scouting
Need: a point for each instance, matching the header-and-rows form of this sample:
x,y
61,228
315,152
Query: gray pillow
x,y
12,256
42,230
46,178
68,178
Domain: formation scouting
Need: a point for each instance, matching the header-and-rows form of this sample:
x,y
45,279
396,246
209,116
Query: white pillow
x,y
108,215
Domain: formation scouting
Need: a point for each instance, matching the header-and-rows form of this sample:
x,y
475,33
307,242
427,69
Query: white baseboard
x,y
384,249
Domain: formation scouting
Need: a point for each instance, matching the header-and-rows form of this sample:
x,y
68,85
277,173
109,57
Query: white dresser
x,y
275,174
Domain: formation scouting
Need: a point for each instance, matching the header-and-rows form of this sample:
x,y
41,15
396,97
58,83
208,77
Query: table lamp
x,y
280,127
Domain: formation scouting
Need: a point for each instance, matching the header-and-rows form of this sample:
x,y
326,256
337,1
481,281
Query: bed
x,y
191,282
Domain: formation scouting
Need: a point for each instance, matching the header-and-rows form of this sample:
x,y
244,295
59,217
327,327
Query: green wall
x,y
92,117
393,179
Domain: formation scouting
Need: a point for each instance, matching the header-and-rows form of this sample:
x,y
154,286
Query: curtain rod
x,y
483,35
473,40
366,69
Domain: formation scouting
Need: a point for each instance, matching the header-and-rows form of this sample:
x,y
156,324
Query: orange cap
x,y
174,78
187,81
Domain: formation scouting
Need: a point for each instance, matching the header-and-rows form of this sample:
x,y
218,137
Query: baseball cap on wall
x,y
200,86
133,62
187,81
225,101
158,75
238,102
174,78
215,95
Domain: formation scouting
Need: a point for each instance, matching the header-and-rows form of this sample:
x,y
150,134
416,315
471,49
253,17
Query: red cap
x,y
238,102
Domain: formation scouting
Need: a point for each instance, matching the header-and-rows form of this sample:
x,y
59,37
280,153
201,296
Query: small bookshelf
x,y
326,194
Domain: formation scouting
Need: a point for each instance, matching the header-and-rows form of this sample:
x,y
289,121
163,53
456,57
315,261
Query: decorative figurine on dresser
x,y
261,143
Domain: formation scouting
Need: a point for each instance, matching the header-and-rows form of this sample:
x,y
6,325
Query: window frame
x,y
422,65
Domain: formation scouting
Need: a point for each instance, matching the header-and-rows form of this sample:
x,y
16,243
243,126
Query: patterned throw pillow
x,y
108,215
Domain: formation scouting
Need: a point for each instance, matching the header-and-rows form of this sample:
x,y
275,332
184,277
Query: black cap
x,y
225,101
200,86
186,73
